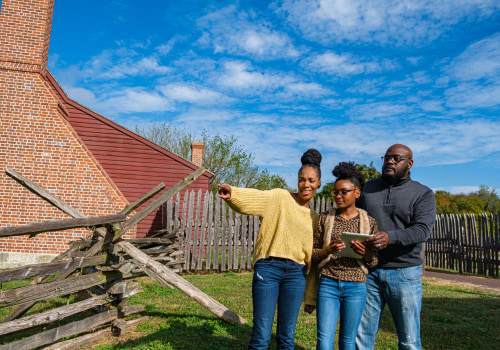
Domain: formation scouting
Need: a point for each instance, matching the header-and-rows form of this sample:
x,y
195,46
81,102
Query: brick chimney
x,y
25,27
197,152
37,141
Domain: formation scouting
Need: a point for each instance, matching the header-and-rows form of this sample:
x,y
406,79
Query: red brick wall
x,y
37,141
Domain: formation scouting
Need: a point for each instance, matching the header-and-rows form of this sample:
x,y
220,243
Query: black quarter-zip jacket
x,y
407,212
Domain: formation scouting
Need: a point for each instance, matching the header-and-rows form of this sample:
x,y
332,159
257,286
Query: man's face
x,y
397,164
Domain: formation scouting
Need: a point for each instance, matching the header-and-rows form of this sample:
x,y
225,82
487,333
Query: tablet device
x,y
347,237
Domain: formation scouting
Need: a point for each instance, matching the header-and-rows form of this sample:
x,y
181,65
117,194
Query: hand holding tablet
x,y
347,237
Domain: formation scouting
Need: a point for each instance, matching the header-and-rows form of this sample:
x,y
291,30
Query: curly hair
x,y
348,171
311,158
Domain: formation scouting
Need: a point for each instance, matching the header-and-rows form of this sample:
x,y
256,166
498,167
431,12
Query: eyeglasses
x,y
396,159
342,192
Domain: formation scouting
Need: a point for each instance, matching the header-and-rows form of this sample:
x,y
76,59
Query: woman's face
x,y
345,193
308,184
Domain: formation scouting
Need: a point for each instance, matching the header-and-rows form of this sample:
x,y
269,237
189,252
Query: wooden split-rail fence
x,y
85,289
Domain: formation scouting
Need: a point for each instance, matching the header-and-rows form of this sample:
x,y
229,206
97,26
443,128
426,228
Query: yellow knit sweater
x,y
286,229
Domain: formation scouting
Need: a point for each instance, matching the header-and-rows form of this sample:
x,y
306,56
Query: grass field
x,y
454,317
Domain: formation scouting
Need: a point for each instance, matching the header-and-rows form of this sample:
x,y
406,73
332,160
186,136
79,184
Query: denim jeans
x,y
282,282
401,289
339,297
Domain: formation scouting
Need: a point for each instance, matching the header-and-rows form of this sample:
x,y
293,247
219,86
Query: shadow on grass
x,y
468,319
190,331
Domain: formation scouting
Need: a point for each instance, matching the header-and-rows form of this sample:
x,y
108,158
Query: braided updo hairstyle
x,y
348,171
311,158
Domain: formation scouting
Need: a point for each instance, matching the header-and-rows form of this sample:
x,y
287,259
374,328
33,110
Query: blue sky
x,y
348,77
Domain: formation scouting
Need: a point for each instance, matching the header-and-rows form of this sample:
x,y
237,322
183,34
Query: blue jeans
x,y
339,297
282,282
401,289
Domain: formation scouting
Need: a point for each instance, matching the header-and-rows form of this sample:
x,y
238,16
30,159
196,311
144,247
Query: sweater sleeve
x,y
318,238
249,201
373,230
423,219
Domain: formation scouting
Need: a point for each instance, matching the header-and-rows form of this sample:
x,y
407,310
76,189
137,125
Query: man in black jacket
x,y
405,211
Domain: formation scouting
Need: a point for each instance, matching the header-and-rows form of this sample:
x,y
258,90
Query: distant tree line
x,y
223,156
485,200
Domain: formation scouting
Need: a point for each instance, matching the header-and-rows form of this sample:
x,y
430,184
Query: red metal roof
x,y
135,164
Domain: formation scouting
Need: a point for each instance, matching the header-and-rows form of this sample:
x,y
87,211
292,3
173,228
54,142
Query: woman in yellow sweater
x,y
283,250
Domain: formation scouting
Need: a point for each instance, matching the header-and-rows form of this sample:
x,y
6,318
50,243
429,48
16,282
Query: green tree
x,y
444,203
468,203
326,191
490,199
483,201
267,181
175,139
222,156
369,171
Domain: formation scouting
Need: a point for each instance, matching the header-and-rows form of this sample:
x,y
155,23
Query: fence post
x,y
210,228
217,232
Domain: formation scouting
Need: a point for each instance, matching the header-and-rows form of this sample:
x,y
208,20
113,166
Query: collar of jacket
x,y
399,182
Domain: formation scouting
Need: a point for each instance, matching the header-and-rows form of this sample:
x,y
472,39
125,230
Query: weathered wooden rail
x,y
96,273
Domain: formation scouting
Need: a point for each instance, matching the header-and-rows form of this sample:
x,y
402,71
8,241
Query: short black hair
x,y
349,171
311,158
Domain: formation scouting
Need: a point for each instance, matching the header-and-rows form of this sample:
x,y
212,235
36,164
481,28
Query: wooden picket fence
x,y
214,236
218,239
466,243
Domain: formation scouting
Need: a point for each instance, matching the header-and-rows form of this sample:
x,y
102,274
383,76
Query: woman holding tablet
x,y
341,291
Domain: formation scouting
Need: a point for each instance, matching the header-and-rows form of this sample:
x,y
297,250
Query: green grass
x,y
454,316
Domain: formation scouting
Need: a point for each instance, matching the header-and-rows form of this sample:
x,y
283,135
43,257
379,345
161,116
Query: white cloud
x,y
194,94
82,96
195,67
346,64
241,76
473,96
276,87
199,119
431,106
473,77
366,86
121,63
301,90
481,60
245,34
164,49
394,22
132,101
415,61
382,111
